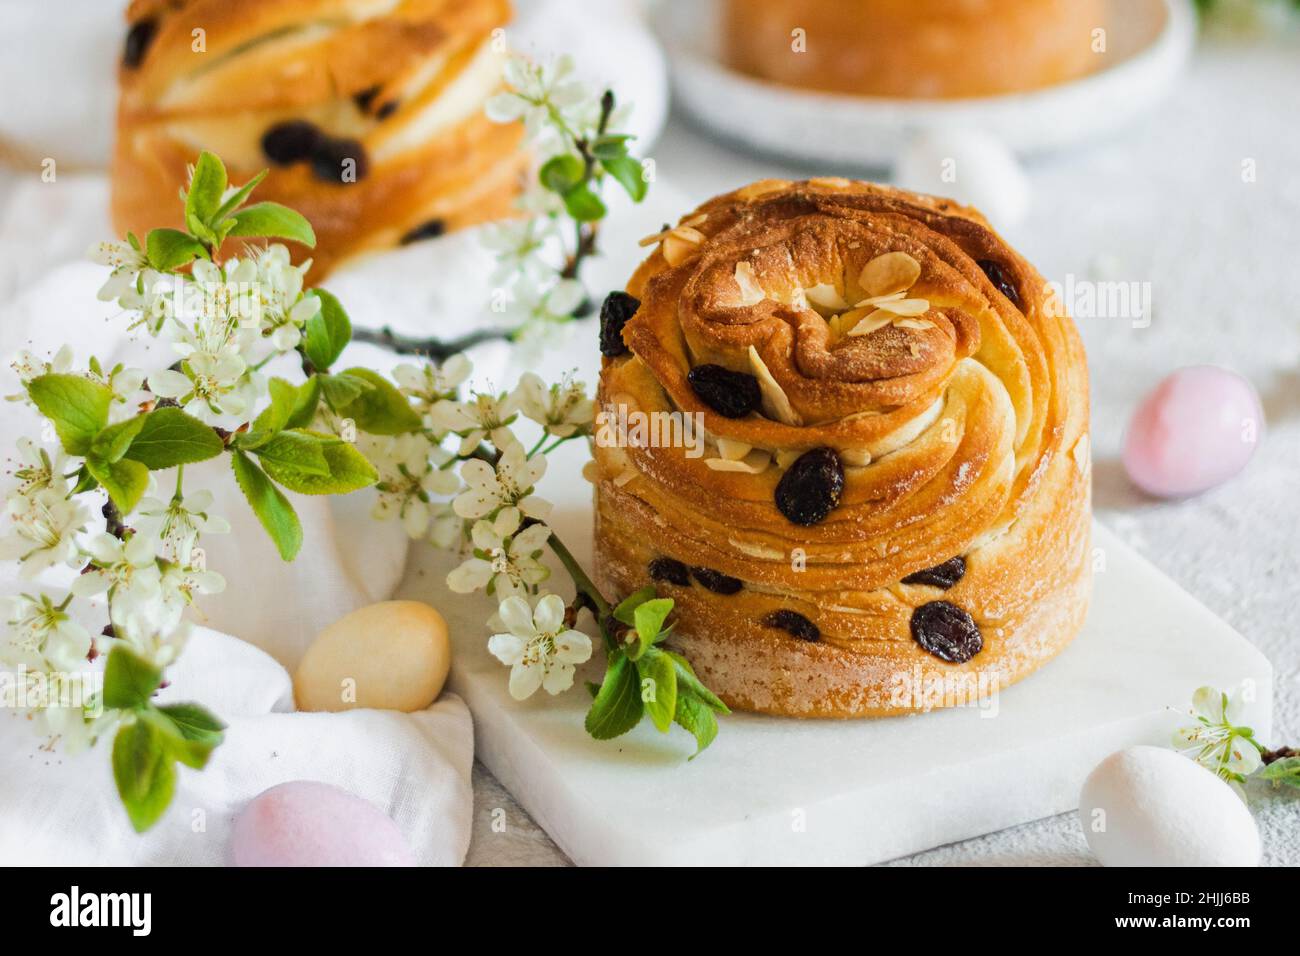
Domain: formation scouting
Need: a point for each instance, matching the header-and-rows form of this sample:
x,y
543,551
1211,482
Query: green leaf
x,y
1284,770
305,404
169,438
145,775
625,611
689,683
129,680
617,707
170,249
85,481
342,390
298,451
698,720
380,409
238,196
629,173
207,187
189,732
328,332
270,220
125,481
657,675
269,504
584,205
112,442
346,469
649,619
611,145
77,406
560,174
274,418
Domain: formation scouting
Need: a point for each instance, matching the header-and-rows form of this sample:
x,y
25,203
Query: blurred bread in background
x,y
368,113
928,49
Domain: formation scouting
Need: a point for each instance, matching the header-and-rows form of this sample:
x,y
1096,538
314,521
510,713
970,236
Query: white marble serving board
x,y
781,791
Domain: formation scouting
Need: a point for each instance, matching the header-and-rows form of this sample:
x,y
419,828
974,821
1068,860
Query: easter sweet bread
x,y
369,115
932,49
874,494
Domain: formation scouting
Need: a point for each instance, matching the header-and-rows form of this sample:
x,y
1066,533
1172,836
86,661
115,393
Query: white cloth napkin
x,y
61,810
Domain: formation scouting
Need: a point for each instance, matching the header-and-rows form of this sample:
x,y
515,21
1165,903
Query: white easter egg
x,y
390,656
970,166
1148,806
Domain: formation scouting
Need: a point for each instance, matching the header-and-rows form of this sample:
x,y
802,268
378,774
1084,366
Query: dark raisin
x,y
794,624
617,309
946,631
386,109
943,576
138,39
291,141
330,154
674,572
365,98
998,276
730,394
716,581
811,487
427,230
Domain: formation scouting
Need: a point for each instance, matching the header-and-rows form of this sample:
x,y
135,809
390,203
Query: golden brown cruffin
x,y
891,511
369,115
925,49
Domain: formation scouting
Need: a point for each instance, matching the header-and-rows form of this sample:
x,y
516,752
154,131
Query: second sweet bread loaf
x,y
369,114
887,509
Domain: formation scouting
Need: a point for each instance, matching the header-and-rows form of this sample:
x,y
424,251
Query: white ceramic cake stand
x,y
1148,44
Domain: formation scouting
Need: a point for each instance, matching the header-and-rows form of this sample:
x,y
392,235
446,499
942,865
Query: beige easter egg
x,y
390,656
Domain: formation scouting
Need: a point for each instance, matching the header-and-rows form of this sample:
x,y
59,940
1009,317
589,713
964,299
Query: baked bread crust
x,y
398,85
959,423
930,49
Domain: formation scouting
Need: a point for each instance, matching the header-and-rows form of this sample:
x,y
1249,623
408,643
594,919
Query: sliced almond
x,y
826,296
776,405
918,324
830,182
591,472
762,188
787,457
681,244
908,307
751,293
876,320
624,477
875,300
755,463
696,220
733,450
855,457
891,272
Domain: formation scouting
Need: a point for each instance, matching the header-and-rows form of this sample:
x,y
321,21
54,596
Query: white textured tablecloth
x,y
1162,203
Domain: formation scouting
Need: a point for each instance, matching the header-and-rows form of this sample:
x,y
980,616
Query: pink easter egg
x,y
306,823
1197,429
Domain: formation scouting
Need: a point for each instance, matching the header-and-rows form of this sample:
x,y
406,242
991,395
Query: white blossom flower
x,y
535,307
45,524
445,526
154,298
125,260
408,475
539,650
429,383
41,634
519,244
505,558
562,409
545,96
483,416
509,484
38,469
128,571
27,365
178,522
210,385
1215,740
